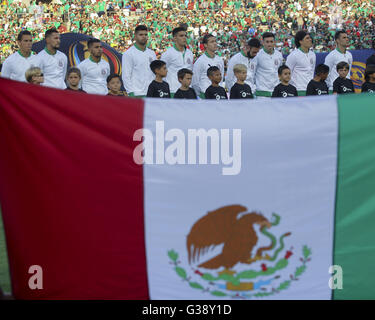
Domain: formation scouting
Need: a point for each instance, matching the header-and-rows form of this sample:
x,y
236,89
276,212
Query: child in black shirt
x,y
159,88
185,92
284,89
342,84
73,77
214,91
369,85
240,90
318,86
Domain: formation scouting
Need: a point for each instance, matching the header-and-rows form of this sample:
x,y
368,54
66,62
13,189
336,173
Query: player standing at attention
x,y
16,65
94,70
338,55
177,57
53,62
267,62
136,72
301,62
209,59
246,57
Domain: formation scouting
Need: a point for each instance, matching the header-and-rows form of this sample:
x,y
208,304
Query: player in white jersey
x,y
15,66
94,70
338,55
246,57
53,62
200,81
136,72
267,63
301,62
177,57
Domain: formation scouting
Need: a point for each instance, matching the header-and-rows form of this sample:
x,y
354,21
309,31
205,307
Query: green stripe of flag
x,y
354,247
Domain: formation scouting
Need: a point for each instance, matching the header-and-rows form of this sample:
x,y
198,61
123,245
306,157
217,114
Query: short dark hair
x,y
112,76
177,30
182,72
156,64
49,32
342,65
254,43
141,27
321,69
23,33
73,70
91,41
211,70
370,69
337,34
207,37
300,35
282,68
268,35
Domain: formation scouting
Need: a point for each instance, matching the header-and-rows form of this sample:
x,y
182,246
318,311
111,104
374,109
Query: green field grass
x,y
4,268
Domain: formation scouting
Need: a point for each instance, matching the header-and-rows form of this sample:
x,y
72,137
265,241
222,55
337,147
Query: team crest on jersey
x,y
161,94
276,62
252,67
61,64
319,92
243,94
284,94
104,72
188,61
311,61
217,97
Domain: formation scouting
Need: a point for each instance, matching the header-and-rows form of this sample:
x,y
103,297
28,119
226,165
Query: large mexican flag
x,y
117,198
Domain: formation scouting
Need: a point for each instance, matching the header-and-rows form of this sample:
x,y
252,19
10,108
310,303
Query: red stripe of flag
x,y
71,194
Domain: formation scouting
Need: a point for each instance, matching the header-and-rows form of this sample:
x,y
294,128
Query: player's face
x,y
241,75
180,38
186,81
306,42
96,49
54,40
343,72
141,37
269,43
211,44
216,77
285,75
343,40
25,43
252,52
114,84
163,71
73,79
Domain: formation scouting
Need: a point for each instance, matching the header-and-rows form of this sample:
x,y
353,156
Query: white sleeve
x,y
330,63
165,57
6,71
127,70
230,75
66,66
255,63
291,62
222,72
196,76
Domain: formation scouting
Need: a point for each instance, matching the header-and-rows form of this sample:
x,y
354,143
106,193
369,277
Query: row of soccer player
x,y
262,65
